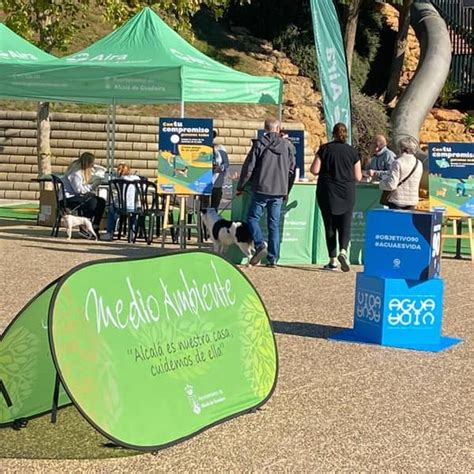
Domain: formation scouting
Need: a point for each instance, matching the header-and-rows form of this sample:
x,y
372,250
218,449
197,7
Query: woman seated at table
x,y
80,191
123,172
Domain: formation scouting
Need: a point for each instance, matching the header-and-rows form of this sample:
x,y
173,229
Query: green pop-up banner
x,y
27,372
151,351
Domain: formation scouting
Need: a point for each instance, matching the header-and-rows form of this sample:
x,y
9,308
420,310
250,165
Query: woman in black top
x,y
338,166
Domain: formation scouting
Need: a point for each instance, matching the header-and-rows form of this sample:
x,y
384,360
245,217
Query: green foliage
x,y
47,23
177,13
367,44
468,122
299,46
448,93
52,24
369,118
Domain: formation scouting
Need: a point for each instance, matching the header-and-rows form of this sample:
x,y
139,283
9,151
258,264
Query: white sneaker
x,y
344,261
259,254
108,237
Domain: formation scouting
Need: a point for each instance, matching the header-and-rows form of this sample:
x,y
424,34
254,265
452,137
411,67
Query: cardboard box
x,y
395,312
47,208
402,244
398,313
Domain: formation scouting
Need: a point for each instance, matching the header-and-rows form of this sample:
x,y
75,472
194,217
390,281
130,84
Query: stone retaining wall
x,y
71,134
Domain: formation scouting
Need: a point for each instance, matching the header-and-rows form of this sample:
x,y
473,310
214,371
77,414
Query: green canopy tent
x,y
16,52
144,61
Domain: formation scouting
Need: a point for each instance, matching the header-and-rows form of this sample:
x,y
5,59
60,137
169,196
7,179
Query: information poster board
x,y
451,178
185,156
297,138
154,350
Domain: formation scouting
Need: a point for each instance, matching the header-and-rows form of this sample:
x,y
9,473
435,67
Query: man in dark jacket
x,y
268,167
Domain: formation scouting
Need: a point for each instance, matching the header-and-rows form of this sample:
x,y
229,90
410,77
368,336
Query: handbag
x,y
385,197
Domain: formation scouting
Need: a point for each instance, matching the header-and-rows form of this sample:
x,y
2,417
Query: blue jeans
x,y
257,206
112,220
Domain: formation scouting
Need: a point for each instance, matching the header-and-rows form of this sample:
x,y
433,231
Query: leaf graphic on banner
x,y
17,364
258,347
88,345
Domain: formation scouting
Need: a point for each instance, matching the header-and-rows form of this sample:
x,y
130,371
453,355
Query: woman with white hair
x,y
402,181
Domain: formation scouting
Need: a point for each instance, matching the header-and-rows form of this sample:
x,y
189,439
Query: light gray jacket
x,y
407,193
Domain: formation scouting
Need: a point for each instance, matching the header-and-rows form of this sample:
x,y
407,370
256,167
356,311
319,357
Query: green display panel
x,y
154,350
296,225
367,197
303,239
27,372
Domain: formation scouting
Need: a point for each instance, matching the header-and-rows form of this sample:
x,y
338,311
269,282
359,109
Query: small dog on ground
x,y
69,221
224,233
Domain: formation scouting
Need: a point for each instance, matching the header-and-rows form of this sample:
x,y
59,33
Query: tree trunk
x,y
351,30
43,139
399,52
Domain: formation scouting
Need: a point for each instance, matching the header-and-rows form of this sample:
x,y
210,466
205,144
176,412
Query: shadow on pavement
x,y
295,328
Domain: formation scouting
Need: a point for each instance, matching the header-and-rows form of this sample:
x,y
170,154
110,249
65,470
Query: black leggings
x,y
340,224
90,206
213,201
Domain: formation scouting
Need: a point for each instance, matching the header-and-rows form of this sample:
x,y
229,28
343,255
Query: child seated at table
x,y
123,172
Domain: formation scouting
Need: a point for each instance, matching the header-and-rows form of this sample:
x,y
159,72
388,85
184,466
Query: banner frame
x,y
77,268
3,335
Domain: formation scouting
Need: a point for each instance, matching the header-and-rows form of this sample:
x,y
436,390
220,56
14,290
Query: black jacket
x,y
269,166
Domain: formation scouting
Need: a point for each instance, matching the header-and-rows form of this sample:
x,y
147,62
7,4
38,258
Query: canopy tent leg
x,y
114,115
280,112
182,109
107,144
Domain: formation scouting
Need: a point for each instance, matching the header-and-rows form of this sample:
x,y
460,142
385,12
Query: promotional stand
x,y
151,351
399,296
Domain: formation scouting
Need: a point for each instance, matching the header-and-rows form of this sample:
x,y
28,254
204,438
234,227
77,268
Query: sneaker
x,y
331,267
108,237
86,235
259,254
344,261
271,265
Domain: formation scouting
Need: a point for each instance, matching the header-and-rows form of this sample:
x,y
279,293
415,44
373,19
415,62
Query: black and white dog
x,y
224,233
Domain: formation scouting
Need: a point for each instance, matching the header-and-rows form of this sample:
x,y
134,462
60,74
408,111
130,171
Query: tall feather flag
x,y
332,65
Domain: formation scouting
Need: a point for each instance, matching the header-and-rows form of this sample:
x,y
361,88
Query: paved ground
x,y
337,406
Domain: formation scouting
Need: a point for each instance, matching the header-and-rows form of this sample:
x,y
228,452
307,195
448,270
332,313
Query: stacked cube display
x,y
399,296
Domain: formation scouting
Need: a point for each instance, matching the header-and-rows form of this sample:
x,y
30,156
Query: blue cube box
x,y
398,313
403,244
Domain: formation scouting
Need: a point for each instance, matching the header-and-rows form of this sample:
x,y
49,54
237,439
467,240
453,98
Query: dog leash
x,y
226,206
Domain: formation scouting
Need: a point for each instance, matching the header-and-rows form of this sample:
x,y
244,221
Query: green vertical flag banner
x,y
332,65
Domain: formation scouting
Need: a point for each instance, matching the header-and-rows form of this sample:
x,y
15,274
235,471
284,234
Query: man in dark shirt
x,y
267,167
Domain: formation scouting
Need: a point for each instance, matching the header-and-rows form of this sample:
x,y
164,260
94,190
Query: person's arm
x,y
390,180
77,183
247,169
357,171
225,159
386,165
389,159
292,168
315,167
